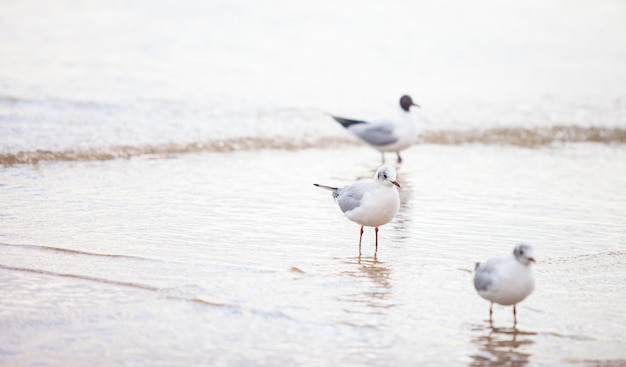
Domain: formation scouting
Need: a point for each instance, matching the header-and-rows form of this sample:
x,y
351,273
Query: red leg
x,y
490,311
376,230
360,238
399,158
514,315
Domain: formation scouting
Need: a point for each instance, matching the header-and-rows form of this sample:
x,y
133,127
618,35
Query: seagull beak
x,y
395,183
531,259
416,105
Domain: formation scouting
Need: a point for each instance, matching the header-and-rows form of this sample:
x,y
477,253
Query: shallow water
x,y
157,162
181,261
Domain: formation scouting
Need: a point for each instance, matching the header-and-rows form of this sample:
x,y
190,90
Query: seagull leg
x,y
399,158
376,230
491,312
360,238
514,315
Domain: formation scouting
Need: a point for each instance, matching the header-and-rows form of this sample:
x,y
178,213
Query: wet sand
x,y
235,258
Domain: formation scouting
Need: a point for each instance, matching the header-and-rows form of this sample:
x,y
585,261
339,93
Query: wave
x,y
523,137
167,293
182,292
529,137
83,277
70,251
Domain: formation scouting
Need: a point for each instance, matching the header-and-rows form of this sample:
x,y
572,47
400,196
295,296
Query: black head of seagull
x,y
406,102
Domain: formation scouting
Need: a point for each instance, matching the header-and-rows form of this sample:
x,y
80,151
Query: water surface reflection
x,y
373,297
500,346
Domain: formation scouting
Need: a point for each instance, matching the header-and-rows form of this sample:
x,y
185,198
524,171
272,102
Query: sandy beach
x,y
157,162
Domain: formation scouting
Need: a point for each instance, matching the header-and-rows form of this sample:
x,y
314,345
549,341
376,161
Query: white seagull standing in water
x,y
506,280
390,135
371,202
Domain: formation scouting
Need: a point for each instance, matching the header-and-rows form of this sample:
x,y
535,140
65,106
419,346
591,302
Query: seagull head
x,y
406,102
524,254
386,174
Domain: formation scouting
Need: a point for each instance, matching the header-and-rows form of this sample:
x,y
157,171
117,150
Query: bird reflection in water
x,y
375,297
501,346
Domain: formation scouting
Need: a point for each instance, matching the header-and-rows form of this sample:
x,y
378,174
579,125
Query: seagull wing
x,y
351,196
485,274
382,133
374,133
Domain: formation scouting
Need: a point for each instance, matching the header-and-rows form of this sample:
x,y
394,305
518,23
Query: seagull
x,y
390,135
506,280
370,203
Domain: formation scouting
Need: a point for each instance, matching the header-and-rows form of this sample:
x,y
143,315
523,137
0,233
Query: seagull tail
x,y
347,122
333,189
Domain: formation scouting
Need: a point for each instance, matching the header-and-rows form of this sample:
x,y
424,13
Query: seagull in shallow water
x,y
506,280
371,202
389,135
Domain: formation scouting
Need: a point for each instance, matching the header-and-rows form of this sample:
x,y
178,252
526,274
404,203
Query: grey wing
x,y
377,134
484,275
349,197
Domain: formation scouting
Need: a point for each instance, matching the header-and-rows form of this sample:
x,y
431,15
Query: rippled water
x,y
236,258
157,162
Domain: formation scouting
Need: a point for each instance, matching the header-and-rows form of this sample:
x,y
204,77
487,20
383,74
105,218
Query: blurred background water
x,y
90,76
156,198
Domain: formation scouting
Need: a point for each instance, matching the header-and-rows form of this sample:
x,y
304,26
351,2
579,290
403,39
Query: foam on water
x,y
523,137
